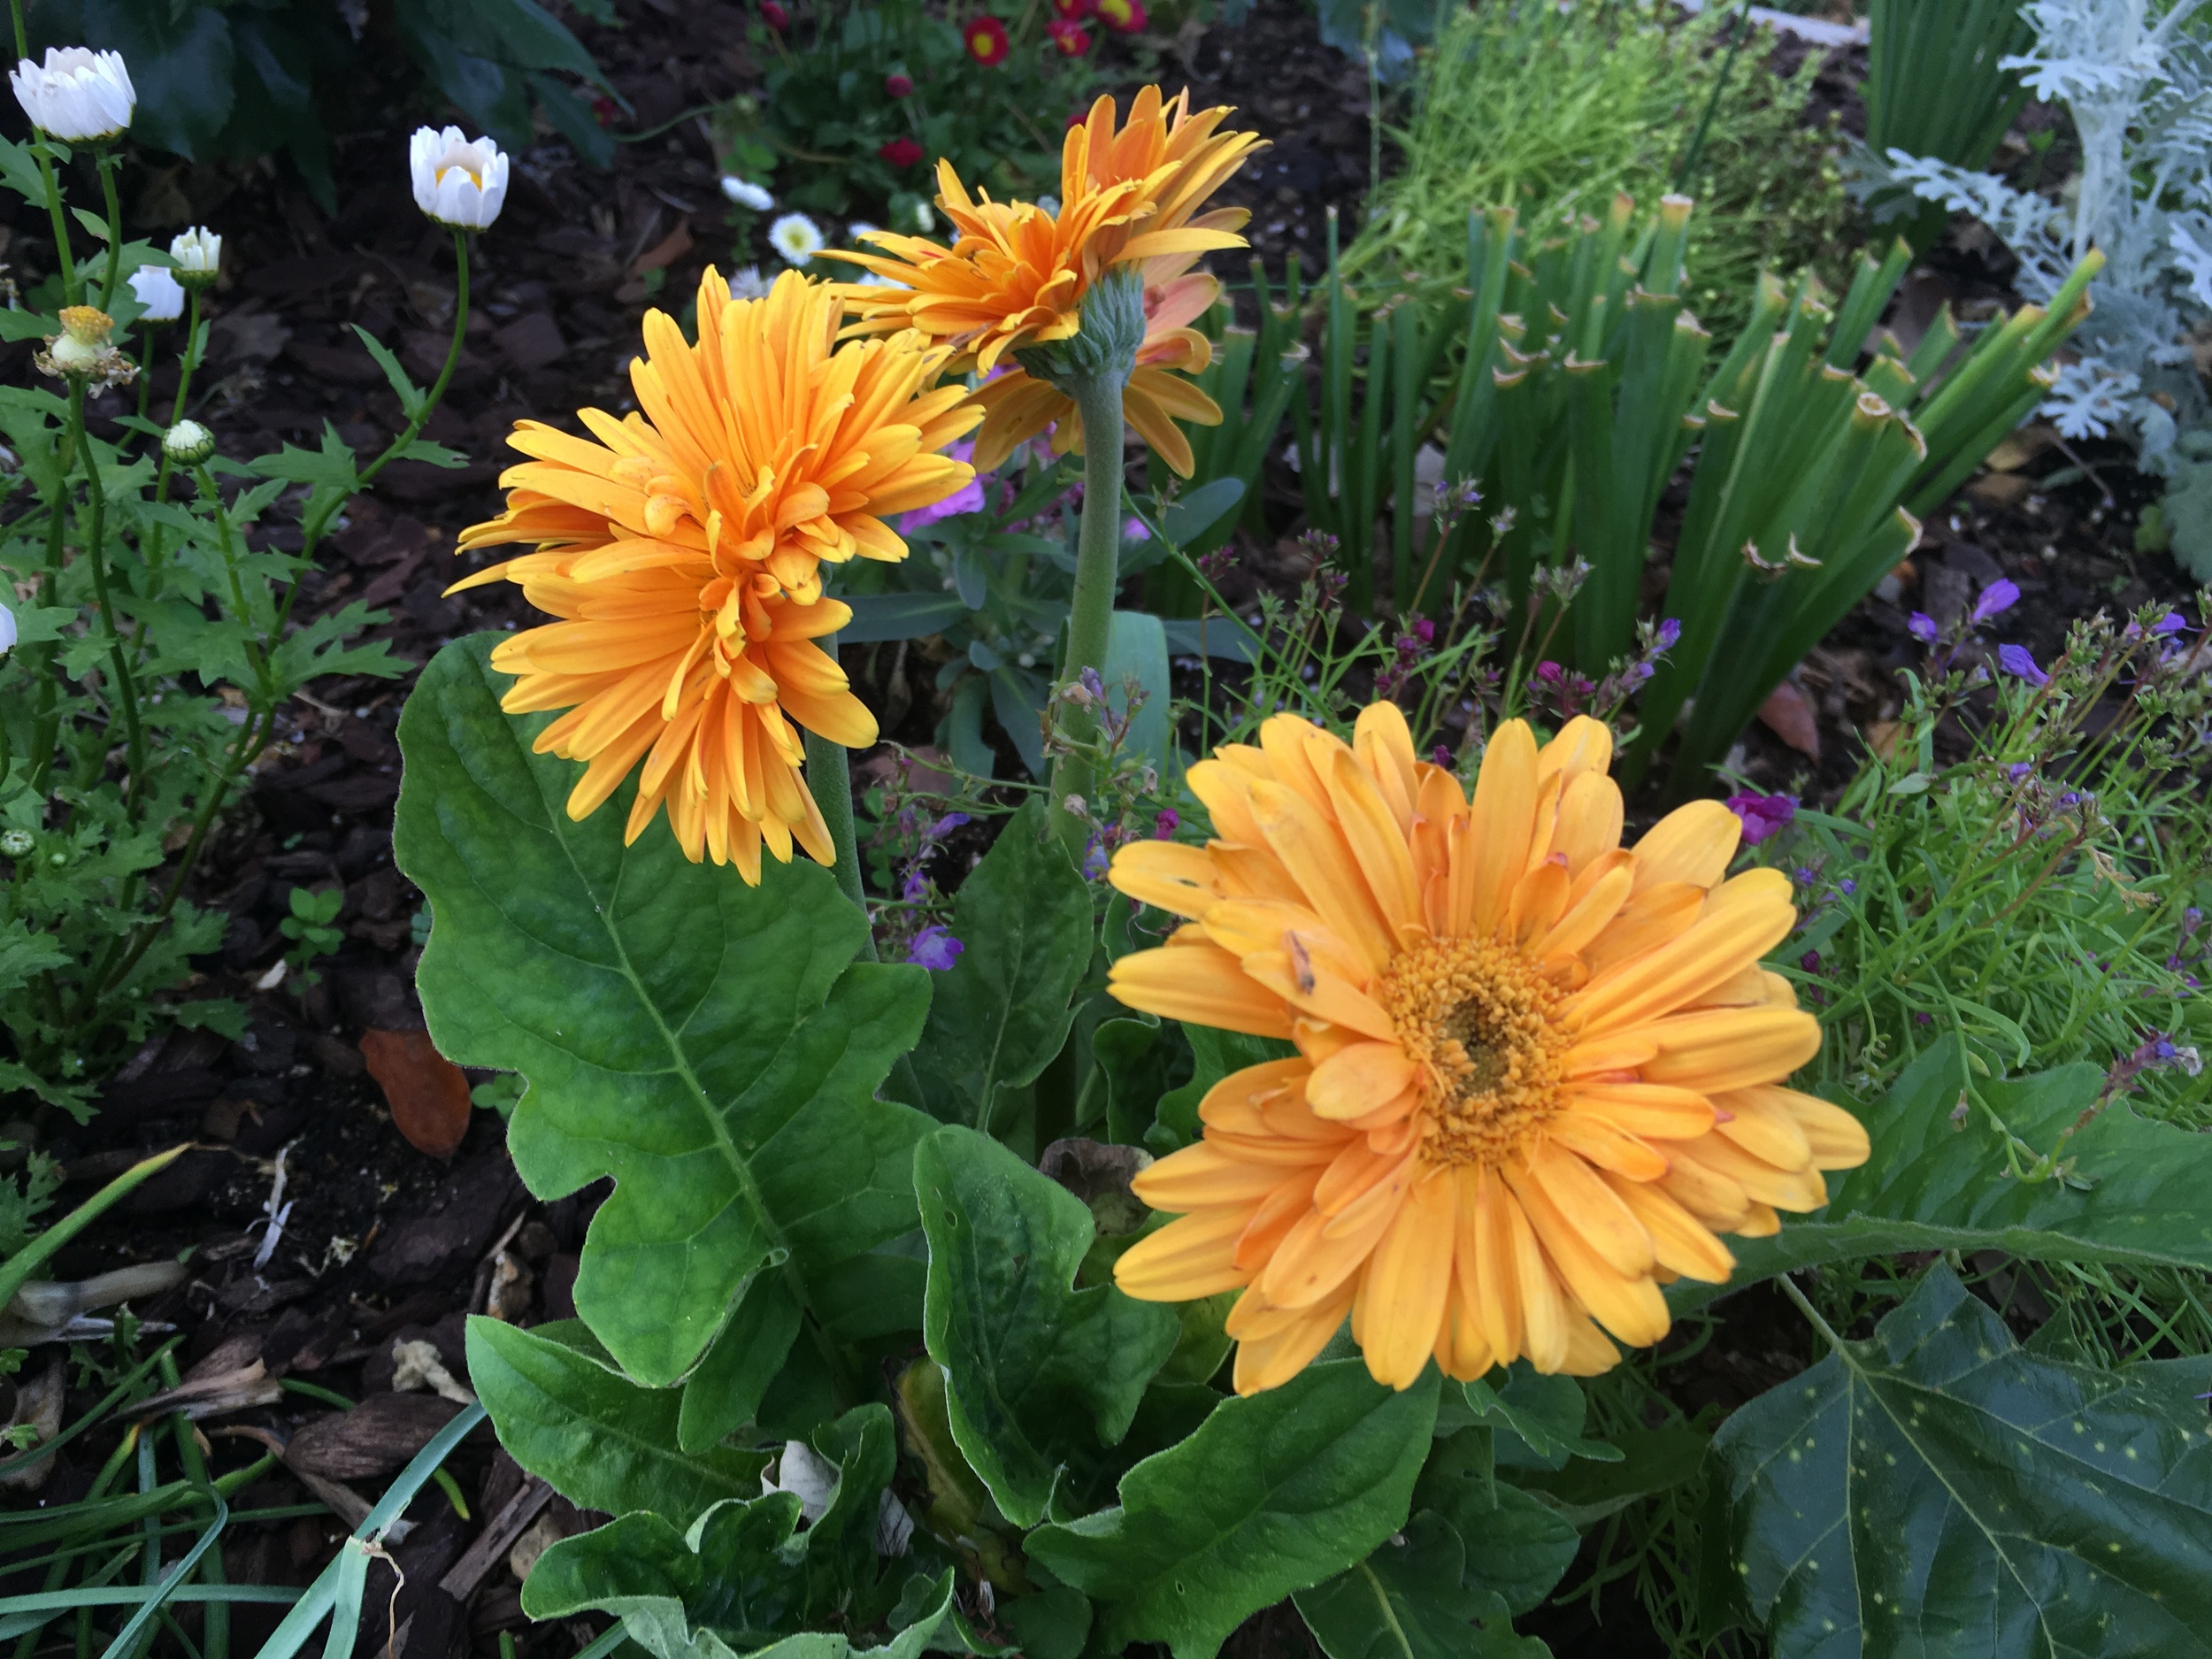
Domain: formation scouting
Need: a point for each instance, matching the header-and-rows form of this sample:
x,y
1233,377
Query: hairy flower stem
x,y
1097,566
107,161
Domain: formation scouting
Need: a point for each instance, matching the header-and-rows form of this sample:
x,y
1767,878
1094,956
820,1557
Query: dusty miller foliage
x,y
2138,81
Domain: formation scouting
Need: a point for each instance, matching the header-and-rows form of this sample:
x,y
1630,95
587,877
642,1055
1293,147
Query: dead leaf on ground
x,y
428,1094
664,252
1788,713
2001,489
375,1439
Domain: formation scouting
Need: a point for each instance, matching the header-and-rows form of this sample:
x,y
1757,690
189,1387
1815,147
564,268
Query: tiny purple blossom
x,y
1999,597
945,825
968,498
1134,530
2172,622
1549,671
2016,661
2019,769
1091,683
1442,756
1762,815
935,949
1923,627
1809,962
1095,861
1669,633
916,888
1166,824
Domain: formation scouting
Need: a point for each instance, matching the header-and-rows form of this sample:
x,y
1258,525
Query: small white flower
x,y
199,256
1049,205
796,237
159,292
76,94
746,283
746,194
7,644
858,229
924,220
456,182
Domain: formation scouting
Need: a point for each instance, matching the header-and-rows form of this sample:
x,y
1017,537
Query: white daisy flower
x,y
796,237
746,194
746,283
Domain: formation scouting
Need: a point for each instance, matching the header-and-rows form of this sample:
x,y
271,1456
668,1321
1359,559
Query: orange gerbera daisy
x,y
1537,1072
682,551
1017,275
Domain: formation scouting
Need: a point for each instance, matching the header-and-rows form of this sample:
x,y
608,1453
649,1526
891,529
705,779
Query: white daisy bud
x,y
796,237
157,289
457,182
199,256
188,443
76,94
746,194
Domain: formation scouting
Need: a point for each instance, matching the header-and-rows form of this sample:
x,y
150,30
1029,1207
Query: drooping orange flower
x,y
1016,275
1537,1071
682,552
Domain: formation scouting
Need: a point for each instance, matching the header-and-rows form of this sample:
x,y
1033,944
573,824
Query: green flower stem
x,y
71,285
1097,566
188,362
46,725
829,780
96,548
107,161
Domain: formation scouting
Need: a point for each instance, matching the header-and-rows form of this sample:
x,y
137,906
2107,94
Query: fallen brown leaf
x,y
375,1439
429,1097
1788,713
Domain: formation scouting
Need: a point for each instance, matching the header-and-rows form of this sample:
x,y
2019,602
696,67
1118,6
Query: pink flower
x,y
901,153
1762,815
774,15
897,86
968,498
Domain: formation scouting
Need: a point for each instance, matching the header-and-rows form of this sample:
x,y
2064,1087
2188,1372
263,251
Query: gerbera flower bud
x,y
681,551
188,443
797,238
198,253
457,182
155,288
987,42
1537,1071
76,94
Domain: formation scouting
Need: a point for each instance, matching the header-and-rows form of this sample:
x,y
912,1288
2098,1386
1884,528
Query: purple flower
x,y
1669,632
2015,660
1167,822
1426,629
1095,861
1442,756
1848,886
1763,814
2172,622
945,825
2019,769
935,949
1134,530
968,498
1549,671
917,886
1809,962
1923,627
1999,597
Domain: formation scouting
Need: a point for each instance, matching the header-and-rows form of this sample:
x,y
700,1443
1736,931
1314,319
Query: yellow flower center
x,y
1481,1021
462,156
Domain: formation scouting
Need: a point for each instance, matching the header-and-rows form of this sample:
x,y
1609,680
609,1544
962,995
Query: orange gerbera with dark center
x,y
1537,1072
682,551
1015,276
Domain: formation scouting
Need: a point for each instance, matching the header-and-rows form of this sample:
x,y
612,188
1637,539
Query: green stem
x,y
46,727
1811,1313
830,781
95,547
1097,566
71,285
107,161
187,363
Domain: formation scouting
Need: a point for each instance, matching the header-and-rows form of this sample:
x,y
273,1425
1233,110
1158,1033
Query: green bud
x,y
1105,347
188,443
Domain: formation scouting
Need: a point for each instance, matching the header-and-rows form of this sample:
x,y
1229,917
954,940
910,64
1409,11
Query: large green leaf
x,y
1036,1371
1407,1602
713,1047
1514,1545
180,58
734,1583
1001,1011
2135,1196
1937,1491
593,1435
726,1390
1273,1494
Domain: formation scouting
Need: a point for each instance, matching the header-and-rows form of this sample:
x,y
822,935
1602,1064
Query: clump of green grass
x,y
1551,109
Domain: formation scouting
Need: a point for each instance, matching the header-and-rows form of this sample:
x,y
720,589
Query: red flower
x,y
897,86
1124,17
1073,39
603,110
774,15
1075,10
987,42
901,153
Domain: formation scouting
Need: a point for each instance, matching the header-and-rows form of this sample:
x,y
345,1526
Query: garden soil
x,y
376,1244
